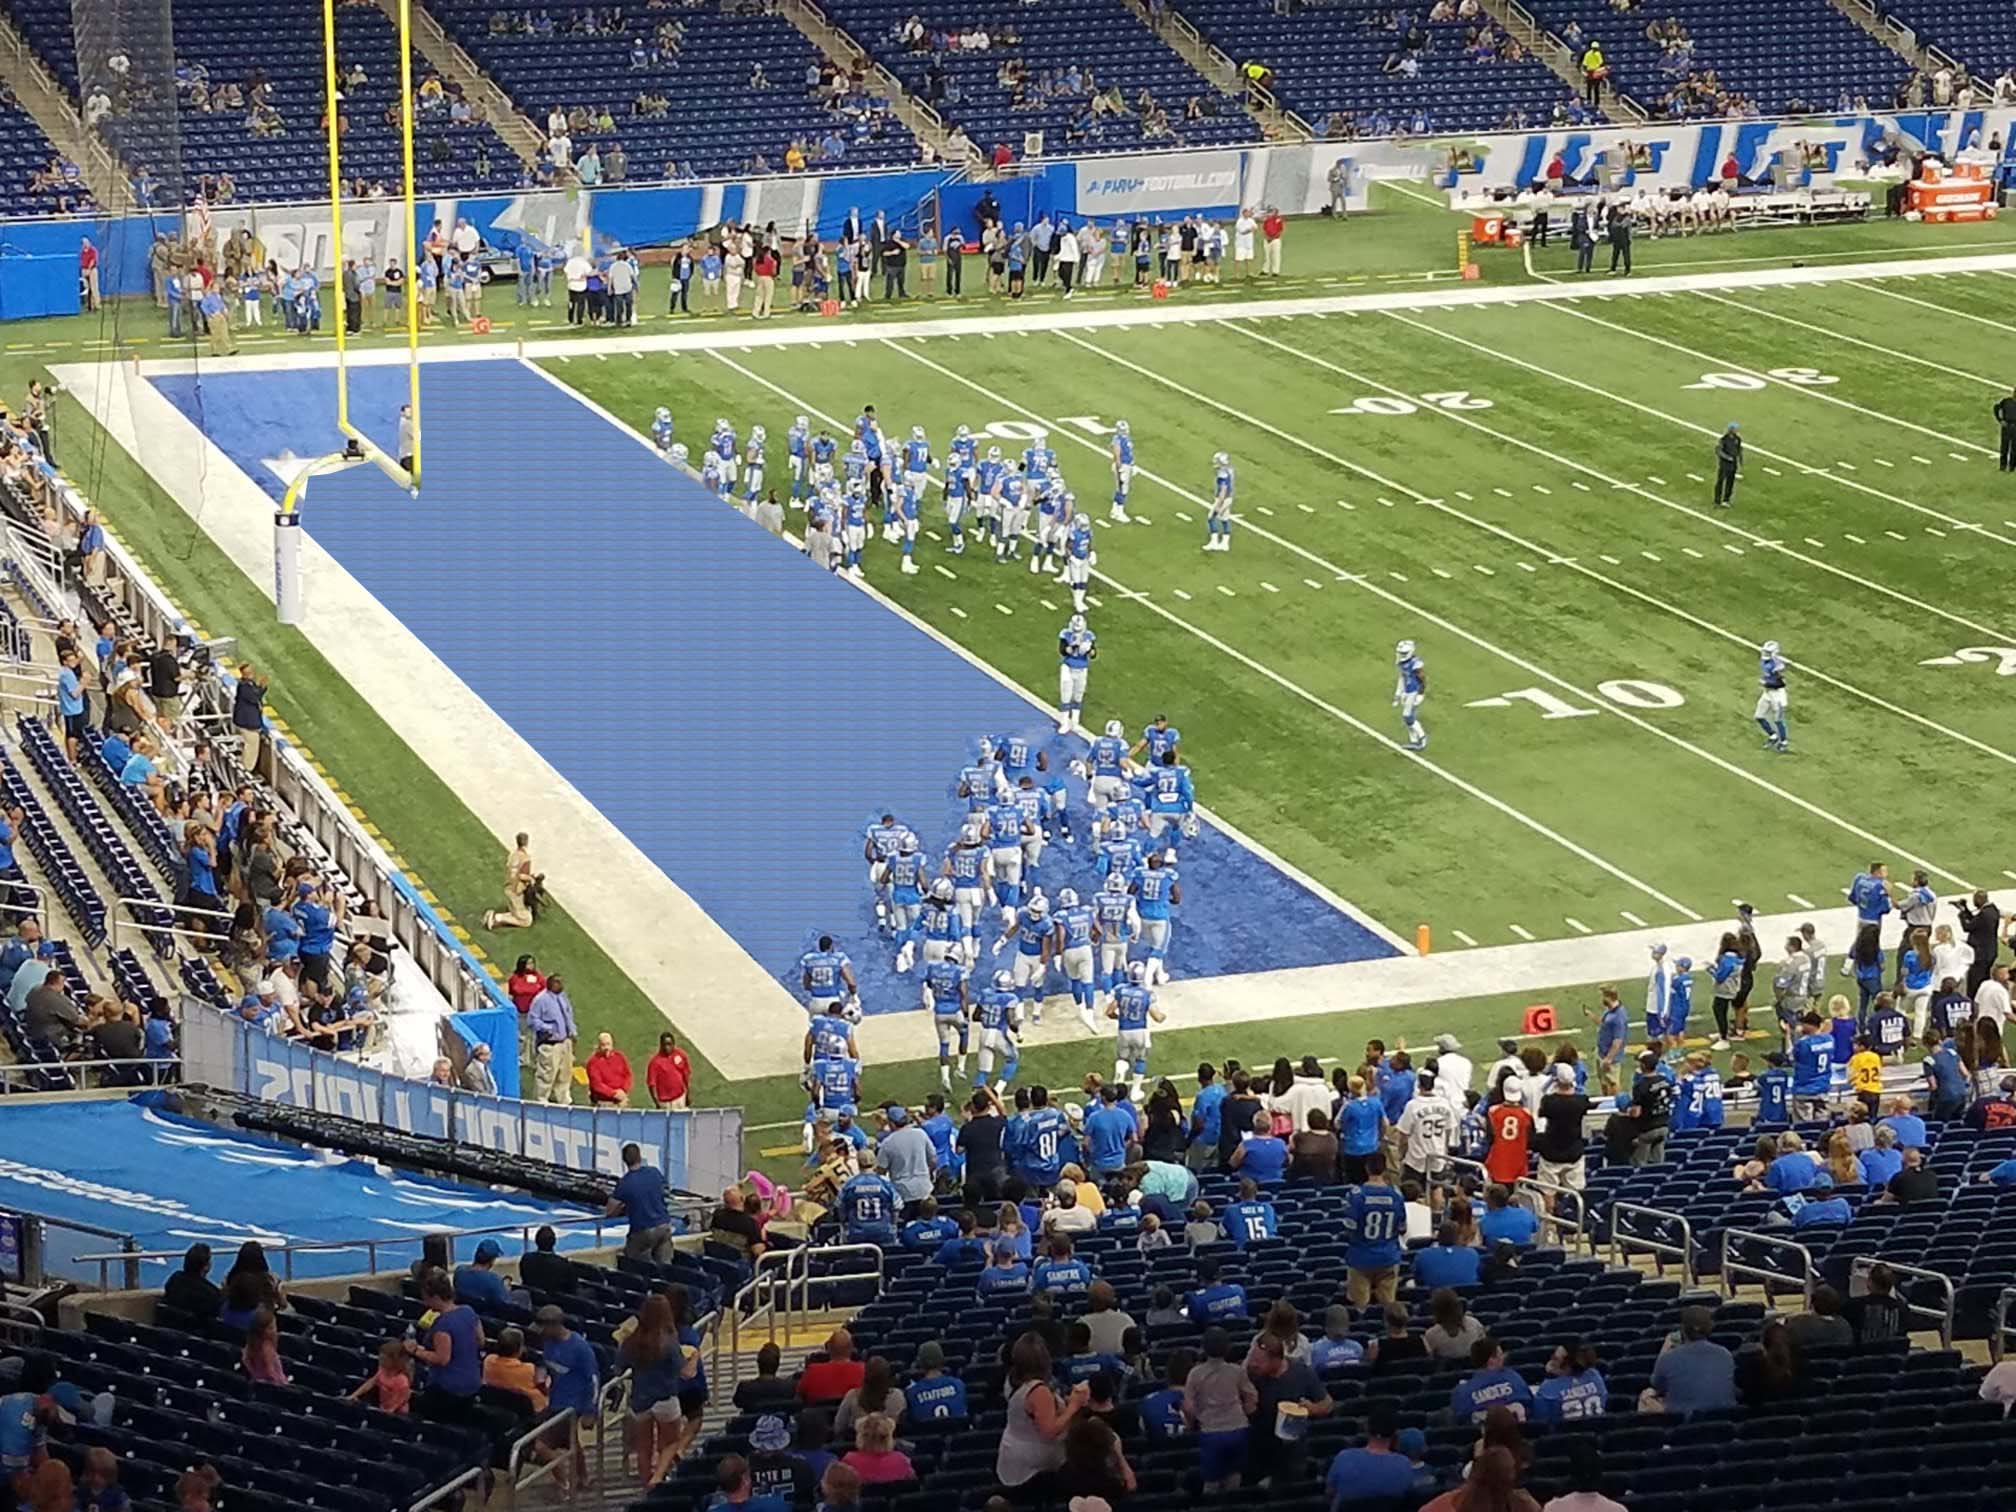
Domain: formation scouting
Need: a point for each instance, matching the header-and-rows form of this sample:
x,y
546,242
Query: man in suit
x,y
1620,237
1582,237
2005,416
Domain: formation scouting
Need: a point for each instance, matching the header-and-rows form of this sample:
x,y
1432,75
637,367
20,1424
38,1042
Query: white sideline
x,y
623,898
1174,311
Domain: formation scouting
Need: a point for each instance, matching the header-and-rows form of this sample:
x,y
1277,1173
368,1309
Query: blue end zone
x,y
738,714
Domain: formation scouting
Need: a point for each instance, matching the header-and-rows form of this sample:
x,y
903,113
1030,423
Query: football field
x,y
1523,489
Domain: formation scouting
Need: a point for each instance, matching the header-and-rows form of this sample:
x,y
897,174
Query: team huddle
x,y
1107,948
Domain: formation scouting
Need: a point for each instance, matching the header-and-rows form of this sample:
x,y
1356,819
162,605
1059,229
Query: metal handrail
x,y
23,1070
1942,1317
370,1245
1999,1328
1621,1242
756,1301
438,1497
149,932
1731,1269
13,1314
566,1417
606,1400
1578,1226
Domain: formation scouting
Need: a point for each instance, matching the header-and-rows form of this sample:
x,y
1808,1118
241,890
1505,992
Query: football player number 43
x,y
1631,692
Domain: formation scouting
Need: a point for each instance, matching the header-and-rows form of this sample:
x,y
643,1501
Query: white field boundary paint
x,y
1169,312
664,941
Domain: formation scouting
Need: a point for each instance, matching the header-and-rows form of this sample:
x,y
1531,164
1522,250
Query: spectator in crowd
x,y
505,1368
905,1155
767,1391
639,1195
733,1225
609,1077
877,1393
1454,1333
478,1282
875,1457
1769,1374
1219,1399
1695,1374
248,1286
525,983
830,1379
260,1355
543,1268
452,1351
1031,1451
1374,1475
668,1076
551,1020
660,1367
190,1289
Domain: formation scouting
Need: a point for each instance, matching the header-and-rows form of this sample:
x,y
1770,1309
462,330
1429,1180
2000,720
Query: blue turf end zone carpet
x,y
738,714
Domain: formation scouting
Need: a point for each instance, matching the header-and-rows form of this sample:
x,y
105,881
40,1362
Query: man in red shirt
x,y
832,1378
1271,227
608,1074
1511,1128
668,1074
1003,157
87,269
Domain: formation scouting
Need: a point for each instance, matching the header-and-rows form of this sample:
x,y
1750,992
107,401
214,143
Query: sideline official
x,y
1728,463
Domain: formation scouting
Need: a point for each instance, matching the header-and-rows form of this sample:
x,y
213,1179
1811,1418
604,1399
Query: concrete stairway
x,y
1904,42
1521,25
923,122
46,100
1221,72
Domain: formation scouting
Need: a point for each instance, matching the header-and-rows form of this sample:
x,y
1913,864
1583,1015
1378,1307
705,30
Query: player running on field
x,y
1133,1006
945,999
998,1016
1077,647
1770,712
1218,521
1410,687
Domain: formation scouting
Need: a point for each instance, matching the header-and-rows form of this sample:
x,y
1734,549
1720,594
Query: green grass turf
x,y
1399,840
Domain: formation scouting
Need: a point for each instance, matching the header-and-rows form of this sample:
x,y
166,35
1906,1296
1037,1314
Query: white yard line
x,y
1999,325
1896,352
1511,658
1723,364
1715,519
1395,746
1654,601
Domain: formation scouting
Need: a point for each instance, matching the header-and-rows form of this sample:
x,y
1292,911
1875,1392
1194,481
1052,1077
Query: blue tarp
x,y
497,1028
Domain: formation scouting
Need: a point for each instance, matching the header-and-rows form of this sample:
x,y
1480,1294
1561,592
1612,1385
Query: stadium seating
x,y
1103,36
1326,59
52,853
1980,33
231,39
1810,57
1967,1236
716,124
24,153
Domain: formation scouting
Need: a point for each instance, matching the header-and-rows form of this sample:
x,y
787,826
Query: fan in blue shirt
x,y
1447,1262
1490,1385
1206,1107
1261,1156
929,1229
1574,1389
1215,1301
868,1206
1060,1271
935,1396
1376,1219
1812,1060
1794,1171
1108,1130
1503,1223
1006,1277
1249,1218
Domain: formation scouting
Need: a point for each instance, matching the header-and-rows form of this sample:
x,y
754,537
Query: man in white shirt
x,y
577,270
1426,1128
1991,1001
1068,253
1243,231
1585,1483
465,239
1453,1070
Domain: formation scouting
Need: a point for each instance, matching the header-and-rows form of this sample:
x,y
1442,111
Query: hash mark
x,y
1773,471
1735,550
1312,582
1004,609
1655,478
1503,493
1542,488
1957,456
1462,495
1227,591
1524,934
1263,509
1306,508
1047,605
1631,918
1578,483
1528,567
1921,461
1610,559
957,610
1797,901
1579,927
1398,577
1269,586
1440,573
1650,556
1817,545
1466,939
944,571
1186,519
1895,535
1880,462
1854,537
1181,594
1934,530
1696,478
1480,567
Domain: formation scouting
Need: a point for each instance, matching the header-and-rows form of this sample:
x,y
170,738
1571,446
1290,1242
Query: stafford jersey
x,y
1133,1002
1076,924
1413,675
1152,887
916,456
1160,741
1770,671
1112,910
833,1082
944,982
997,1009
822,972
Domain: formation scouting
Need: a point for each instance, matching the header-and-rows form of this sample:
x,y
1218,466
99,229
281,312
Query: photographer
x,y
520,882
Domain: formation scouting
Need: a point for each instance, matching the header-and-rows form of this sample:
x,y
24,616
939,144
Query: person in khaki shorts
x,y
518,874
1376,1219
551,1020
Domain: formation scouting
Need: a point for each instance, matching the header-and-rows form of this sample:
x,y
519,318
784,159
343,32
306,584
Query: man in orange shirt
x,y
668,1074
1511,1129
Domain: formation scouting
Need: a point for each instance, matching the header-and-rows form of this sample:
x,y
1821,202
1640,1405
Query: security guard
x,y
1620,235
1728,461
2005,415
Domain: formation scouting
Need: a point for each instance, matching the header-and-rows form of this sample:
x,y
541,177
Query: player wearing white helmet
x,y
968,870
661,430
1410,687
1076,927
1132,1008
753,456
1079,555
944,993
961,480
1218,519
1107,767
992,479
1770,714
906,873
1018,498
1077,646
1123,469
726,449
998,1013
677,455
1114,925
798,451
1035,935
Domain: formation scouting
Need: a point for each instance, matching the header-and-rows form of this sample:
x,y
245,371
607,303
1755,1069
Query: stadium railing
x,y
516,1477
409,1244
444,1494
2000,1329
154,933
36,1229
1771,1278
761,1293
1940,1317
9,1074
1622,1243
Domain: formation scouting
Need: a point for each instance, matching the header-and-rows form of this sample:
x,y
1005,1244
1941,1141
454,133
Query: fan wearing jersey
x,y
1122,447
1410,687
1077,649
998,1017
1158,889
868,1206
1574,1390
1218,517
1040,1154
1133,1008
1077,928
661,431
951,1014
1770,711
828,978
1115,924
